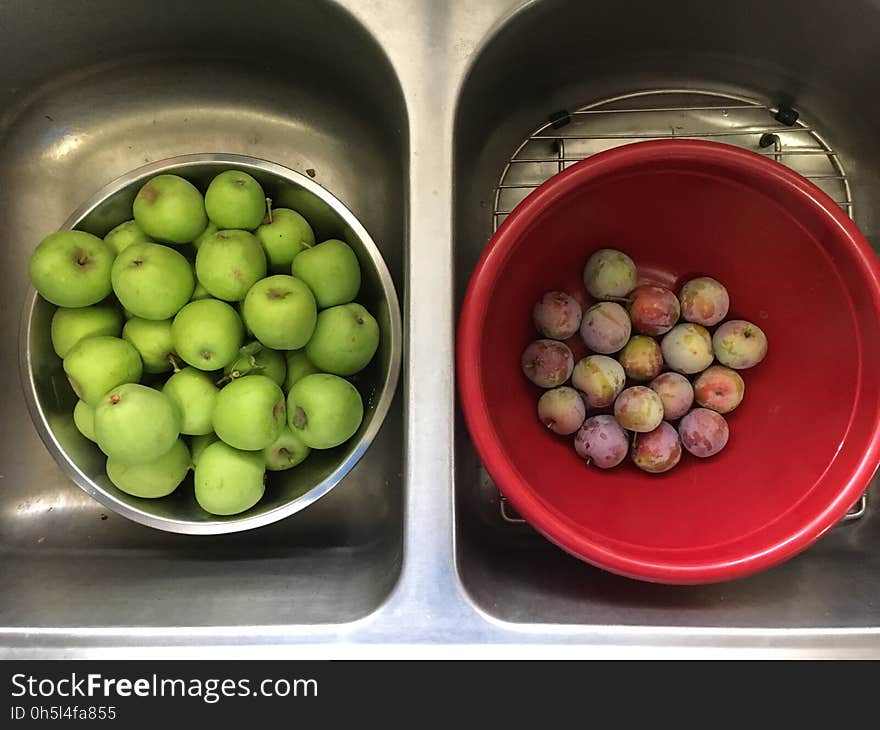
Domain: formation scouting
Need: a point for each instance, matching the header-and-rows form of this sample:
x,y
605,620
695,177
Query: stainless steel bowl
x,y
50,398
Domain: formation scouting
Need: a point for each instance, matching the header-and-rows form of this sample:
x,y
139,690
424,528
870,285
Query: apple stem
x,y
269,209
175,363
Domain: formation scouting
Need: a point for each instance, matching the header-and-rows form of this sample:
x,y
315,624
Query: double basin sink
x,y
409,115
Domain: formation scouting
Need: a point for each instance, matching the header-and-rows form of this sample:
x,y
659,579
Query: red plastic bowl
x,y
803,444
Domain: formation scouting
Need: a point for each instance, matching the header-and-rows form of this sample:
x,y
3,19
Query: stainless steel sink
x,y
410,117
94,112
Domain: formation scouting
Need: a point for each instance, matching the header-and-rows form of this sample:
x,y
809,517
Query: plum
x,y
609,274
605,327
557,315
703,432
562,410
638,409
719,388
676,393
602,442
657,451
687,348
704,301
739,344
653,310
641,358
547,363
600,378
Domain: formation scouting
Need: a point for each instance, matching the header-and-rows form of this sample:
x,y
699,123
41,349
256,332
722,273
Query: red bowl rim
x,y
474,406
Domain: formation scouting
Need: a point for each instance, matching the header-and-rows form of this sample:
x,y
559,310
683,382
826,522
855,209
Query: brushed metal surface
x,y
408,114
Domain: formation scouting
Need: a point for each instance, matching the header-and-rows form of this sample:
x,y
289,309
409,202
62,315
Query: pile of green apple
x,y
213,317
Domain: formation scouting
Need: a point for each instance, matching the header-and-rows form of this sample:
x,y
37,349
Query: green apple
x,y
170,209
200,292
280,311
197,444
135,424
209,231
324,410
332,272
258,360
235,200
152,339
345,339
298,366
250,412
229,481
286,451
207,334
69,326
84,419
156,478
124,235
152,281
195,395
284,237
72,268
229,263
98,364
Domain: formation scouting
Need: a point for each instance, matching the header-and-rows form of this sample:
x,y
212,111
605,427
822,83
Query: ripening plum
x,y
687,348
653,310
605,327
739,344
719,388
547,363
703,432
657,451
676,393
562,410
600,378
557,315
638,409
704,301
602,442
641,358
609,274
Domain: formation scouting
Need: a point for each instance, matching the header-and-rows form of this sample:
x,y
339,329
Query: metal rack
x,y
571,136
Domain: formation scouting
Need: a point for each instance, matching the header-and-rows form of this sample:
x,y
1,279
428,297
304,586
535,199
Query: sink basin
x,y
411,125
105,104
749,68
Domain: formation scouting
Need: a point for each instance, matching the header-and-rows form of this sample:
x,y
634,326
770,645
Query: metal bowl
x,y
51,400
